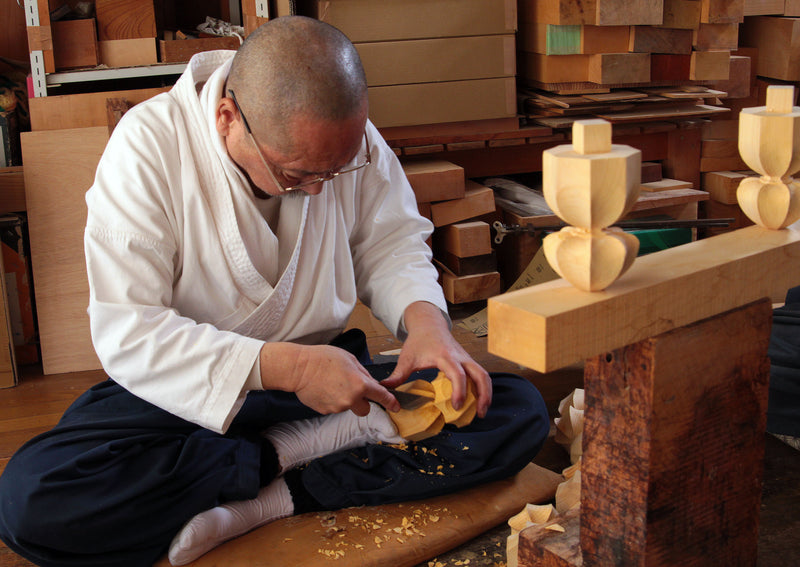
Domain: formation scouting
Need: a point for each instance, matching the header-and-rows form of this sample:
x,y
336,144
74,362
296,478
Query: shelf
x,y
87,75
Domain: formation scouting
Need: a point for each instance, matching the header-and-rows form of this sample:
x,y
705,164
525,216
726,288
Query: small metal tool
x,y
409,401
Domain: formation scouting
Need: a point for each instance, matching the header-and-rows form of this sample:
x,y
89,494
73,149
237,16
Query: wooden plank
x,y
180,50
128,52
536,327
721,129
720,148
435,180
710,66
478,200
551,39
467,239
56,220
681,14
682,111
75,44
85,110
619,68
721,11
466,289
722,185
778,43
792,8
739,83
125,19
553,68
765,7
652,39
629,12
716,36
558,12
731,163
666,185
12,189
470,265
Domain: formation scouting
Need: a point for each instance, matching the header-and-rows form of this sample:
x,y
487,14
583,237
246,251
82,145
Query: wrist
x,y
279,364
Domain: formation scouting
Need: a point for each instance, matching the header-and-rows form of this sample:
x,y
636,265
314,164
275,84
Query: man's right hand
x,y
325,378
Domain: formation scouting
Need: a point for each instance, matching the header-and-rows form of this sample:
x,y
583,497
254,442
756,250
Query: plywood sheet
x,y
59,168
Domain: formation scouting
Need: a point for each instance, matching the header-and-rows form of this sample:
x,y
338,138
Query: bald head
x,y
296,66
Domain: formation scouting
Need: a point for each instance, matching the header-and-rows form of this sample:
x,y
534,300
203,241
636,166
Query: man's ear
x,y
226,115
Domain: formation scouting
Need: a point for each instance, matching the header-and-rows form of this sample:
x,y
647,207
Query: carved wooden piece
x,y
591,184
769,142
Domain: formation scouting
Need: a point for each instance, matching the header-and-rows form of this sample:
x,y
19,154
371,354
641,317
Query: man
x,y
232,225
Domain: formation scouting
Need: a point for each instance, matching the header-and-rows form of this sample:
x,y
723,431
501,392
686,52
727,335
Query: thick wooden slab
x,y
312,539
552,325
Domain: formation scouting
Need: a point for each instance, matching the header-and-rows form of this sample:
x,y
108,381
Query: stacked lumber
x,y
462,241
126,32
434,62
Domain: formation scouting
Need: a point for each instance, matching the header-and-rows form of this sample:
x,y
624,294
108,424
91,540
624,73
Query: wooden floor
x,y
38,401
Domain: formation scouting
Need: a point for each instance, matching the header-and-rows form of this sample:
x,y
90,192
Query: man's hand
x,y
431,345
325,378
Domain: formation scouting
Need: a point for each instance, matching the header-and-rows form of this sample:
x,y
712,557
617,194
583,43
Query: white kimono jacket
x,y
187,280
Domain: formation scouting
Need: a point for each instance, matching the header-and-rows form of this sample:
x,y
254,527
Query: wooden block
x,y
666,185
182,49
471,265
708,37
435,180
716,210
128,52
478,200
12,189
535,327
465,289
125,19
652,39
551,39
670,67
424,209
629,12
651,171
765,7
721,11
722,185
721,129
732,163
792,8
681,14
739,83
56,221
618,68
553,68
75,44
772,36
710,66
558,12
467,239
85,110
723,148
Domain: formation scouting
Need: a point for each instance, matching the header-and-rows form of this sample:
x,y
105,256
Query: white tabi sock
x,y
298,442
210,528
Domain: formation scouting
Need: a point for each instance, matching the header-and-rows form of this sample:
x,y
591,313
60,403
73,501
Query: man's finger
x,y
383,397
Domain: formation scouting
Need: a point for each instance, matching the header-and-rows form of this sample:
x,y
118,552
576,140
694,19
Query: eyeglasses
x,y
327,176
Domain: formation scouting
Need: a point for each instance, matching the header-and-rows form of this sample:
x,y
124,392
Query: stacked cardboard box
x,y
431,61
616,42
462,242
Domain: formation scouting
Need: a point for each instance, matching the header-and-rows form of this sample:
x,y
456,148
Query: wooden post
x,y
673,445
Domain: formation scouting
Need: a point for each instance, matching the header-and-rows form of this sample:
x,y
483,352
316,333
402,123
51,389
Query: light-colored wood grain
x,y
553,324
666,185
468,239
125,19
128,52
478,200
475,287
59,168
710,65
435,180
778,43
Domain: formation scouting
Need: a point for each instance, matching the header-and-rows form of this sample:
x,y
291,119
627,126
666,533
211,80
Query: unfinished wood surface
x,y
653,39
75,44
475,287
125,19
765,7
554,68
467,239
681,14
56,220
674,440
559,12
792,8
477,200
470,265
778,43
63,112
629,12
720,129
536,327
619,68
722,185
722,11
435,180
651,171
128,52
12,189
716,36
731,163
719,148
710,65
666,185
182,50
739,83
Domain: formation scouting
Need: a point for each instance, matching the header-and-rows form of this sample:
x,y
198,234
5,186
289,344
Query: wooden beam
x,y
652,39
721,11
478,200
465,289
559,12
722,185
435,180
681,14
629,12
552,325
551,39
467,239
618,68
716,36
125,19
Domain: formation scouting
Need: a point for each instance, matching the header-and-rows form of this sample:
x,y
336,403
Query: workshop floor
x,y
38,401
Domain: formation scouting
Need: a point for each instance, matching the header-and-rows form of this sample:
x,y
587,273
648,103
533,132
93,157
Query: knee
x,y
17,513
520,403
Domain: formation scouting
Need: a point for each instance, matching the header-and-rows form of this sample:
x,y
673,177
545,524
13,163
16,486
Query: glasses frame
x,y
321,179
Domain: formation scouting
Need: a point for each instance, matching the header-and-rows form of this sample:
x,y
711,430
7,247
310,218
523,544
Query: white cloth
x,y
186,277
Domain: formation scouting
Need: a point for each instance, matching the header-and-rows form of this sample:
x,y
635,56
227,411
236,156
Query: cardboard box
x,y
432,103
437,60
388,20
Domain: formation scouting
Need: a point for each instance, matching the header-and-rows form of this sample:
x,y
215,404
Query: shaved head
x,y
296,66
